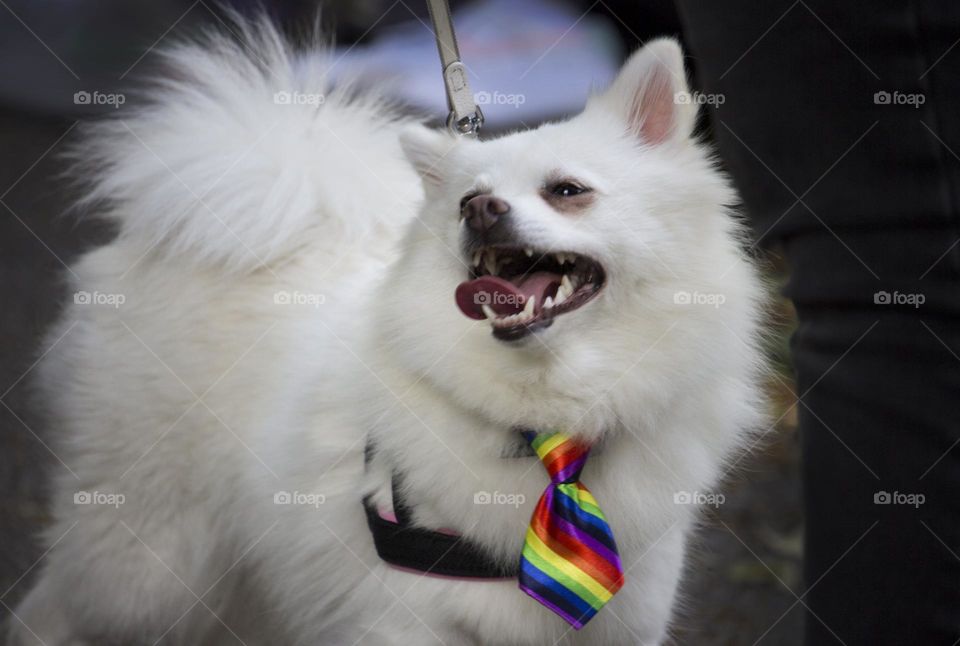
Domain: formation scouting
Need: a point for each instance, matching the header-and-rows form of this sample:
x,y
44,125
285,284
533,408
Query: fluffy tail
x,y
243,151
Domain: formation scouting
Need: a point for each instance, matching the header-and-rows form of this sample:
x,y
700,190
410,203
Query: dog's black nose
x,y
483,212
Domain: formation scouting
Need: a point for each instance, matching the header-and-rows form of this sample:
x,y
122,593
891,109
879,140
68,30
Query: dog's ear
x,y
425,150
651,94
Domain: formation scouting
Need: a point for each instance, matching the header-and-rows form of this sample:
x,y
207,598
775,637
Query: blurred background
x,y
529,60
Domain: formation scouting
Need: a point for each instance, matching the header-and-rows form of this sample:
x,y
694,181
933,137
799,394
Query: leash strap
x,y
465,115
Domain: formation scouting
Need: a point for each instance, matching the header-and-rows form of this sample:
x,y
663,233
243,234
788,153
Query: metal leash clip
x,y
465,117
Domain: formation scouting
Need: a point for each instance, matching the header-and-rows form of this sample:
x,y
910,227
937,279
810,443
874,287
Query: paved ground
x,y
746,558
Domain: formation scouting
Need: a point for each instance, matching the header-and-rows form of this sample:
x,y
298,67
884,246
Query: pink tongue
x,y
502,296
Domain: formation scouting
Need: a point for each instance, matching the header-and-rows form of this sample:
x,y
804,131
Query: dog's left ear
x,y
651,94
425,150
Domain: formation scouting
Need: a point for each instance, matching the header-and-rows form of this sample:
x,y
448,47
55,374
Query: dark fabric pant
x,y
841,127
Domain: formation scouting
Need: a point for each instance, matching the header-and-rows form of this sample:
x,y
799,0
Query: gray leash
x,y
465,115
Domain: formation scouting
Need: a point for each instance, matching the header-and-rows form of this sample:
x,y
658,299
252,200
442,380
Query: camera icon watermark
x,y
499,498
897,498
84,97
699,298
99,298
898,298
299,498
883,97
309,299
299,98
699,98
99,498
499,98
484,297
698,498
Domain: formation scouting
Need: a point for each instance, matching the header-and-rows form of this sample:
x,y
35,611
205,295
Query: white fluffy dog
x,y
282,294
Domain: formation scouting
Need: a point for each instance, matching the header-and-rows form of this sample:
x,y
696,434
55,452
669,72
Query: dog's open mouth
x,y
520,290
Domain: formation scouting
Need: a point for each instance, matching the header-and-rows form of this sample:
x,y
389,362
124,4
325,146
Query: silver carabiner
x,y
465,117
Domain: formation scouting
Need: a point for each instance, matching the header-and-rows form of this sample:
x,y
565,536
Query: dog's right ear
x,y
425,149
650,94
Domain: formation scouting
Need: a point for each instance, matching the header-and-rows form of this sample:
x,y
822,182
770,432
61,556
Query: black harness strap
x,y
405,545
430,552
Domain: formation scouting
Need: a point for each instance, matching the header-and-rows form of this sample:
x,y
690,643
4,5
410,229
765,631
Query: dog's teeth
x,y
548,303
477,255
566,289
488,312
490,262
529,252
574,282
528,308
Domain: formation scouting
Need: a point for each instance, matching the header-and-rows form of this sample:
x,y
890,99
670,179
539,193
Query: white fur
x,y
200,397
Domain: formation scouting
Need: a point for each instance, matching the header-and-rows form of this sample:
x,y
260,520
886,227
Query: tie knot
x,y
562,456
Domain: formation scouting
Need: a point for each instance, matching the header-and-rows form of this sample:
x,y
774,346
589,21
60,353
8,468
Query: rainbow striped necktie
x,y
570,562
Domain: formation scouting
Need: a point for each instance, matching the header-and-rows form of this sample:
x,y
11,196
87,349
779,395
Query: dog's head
x,y
550,255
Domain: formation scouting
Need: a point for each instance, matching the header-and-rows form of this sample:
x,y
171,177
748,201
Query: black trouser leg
x,y
841,127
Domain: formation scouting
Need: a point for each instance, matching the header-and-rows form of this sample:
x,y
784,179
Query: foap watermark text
x,y
699,498
498,498
299,498
499,98
114,99
898,298
699,98
99,298
899,498
309,299
483,297
699,298
99,498
896,97
298,98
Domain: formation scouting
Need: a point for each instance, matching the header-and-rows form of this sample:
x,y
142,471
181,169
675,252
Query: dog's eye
x,y
567,189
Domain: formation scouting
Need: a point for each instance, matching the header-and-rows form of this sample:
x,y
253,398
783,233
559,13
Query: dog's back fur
x,y
263,330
